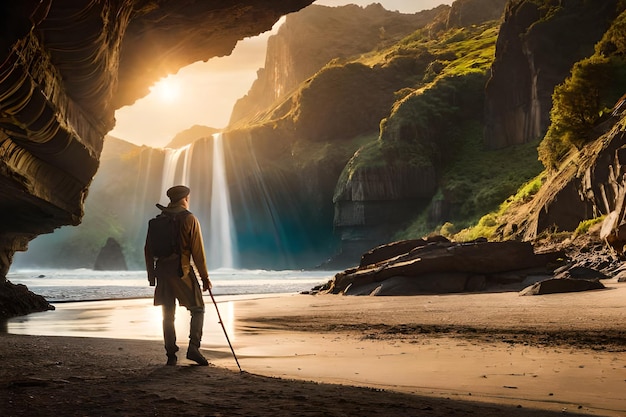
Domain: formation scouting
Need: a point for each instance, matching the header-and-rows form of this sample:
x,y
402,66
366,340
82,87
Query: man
x,y
175,277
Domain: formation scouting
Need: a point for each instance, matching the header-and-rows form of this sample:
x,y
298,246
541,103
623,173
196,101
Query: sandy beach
x,y
482,354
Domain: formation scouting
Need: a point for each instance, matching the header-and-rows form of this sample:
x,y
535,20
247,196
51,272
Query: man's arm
x,y
197,251
149,262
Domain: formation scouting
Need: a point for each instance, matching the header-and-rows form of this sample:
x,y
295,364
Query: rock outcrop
x,y
111,257
188,136
437,265
465,13
65,67
18,300
422,134
374,202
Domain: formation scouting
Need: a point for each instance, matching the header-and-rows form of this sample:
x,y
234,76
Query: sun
x,y
167,89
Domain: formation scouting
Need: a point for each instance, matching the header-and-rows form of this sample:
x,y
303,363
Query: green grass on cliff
x,y
473,49
480,180
306,153
439,123
477,186
488,224
454,52
368,155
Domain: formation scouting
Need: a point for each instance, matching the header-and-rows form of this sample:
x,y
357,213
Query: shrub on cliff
x,y
579,104
586,96
343,101
423,126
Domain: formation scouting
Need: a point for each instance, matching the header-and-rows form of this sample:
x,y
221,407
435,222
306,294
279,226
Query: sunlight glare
x,y
167,89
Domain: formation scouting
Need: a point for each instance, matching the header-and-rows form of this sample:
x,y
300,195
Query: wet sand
x,y
462,354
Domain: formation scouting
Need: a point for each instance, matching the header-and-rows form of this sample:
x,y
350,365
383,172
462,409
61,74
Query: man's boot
x,y
195,336
169,334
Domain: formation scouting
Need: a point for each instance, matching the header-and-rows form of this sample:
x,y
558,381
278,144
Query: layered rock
x,y
440,266
374,202
65,68
537,46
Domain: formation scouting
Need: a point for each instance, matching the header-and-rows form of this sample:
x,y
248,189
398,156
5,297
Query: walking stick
x,y
224,328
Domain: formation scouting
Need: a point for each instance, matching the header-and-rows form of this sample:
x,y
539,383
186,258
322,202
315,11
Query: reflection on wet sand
x,y
121,319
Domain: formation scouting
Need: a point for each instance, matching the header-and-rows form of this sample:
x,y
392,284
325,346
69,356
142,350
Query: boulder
x,y
561,285
581,272
17,300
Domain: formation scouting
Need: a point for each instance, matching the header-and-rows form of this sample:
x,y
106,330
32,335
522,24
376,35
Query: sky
x,y
204,93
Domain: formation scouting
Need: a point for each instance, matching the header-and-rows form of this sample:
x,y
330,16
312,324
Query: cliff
x,y
426,131
534,53
310,39
537,46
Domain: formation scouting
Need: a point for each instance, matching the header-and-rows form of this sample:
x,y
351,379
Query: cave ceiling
x,y
67,65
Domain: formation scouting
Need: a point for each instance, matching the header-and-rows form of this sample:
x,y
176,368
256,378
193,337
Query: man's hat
x,y
177,192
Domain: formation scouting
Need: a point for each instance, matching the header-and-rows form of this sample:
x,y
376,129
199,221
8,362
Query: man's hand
x,y
206,284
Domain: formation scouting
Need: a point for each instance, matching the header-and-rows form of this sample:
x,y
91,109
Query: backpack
x,y
164,233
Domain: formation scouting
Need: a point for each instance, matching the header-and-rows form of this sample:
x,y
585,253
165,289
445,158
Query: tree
x,y
577,105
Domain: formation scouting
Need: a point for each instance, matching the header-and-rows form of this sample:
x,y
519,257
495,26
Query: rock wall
x,y
374,202
536,48
64,69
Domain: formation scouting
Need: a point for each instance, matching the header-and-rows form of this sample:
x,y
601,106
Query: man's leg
x,y
169,333
195,336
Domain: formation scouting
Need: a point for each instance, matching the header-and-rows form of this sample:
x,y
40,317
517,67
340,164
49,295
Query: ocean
x,y
71,285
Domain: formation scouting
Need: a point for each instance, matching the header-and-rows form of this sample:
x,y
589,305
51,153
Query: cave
x,y
67,66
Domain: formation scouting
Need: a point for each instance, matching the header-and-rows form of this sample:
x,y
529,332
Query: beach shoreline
x,y
488,354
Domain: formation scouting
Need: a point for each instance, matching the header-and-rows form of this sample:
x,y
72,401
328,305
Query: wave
x,y
65,285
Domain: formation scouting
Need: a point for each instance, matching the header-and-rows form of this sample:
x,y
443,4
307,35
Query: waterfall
x,y
175,170
221,242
